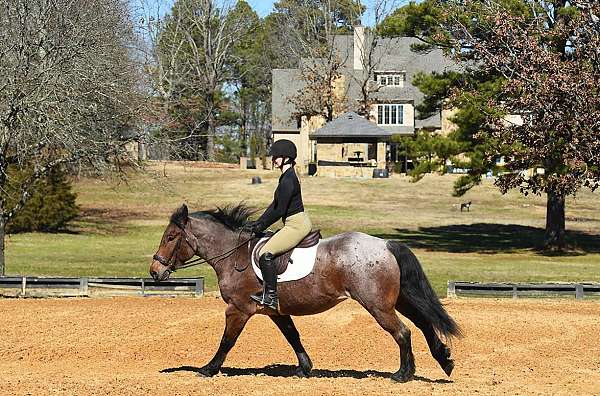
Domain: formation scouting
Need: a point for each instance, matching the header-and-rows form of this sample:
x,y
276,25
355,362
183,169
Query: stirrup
x,y
262,300
258,297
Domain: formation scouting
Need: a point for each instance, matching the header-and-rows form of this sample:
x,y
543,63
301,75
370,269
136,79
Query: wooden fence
x,y
25,286
515,290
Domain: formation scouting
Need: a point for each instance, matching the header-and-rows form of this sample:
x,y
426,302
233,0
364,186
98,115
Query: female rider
x,y
287,205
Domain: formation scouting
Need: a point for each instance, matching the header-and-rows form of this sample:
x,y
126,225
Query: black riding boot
x,y
268,297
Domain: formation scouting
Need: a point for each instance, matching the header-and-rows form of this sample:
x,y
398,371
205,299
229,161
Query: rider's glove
x,y
253,227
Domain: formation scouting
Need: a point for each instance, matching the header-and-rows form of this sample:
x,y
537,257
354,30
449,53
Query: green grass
x,y
121,225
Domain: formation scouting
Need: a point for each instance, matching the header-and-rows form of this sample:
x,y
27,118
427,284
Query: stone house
x,y
348,144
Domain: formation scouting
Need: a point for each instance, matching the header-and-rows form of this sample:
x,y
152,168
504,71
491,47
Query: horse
x,y
383,276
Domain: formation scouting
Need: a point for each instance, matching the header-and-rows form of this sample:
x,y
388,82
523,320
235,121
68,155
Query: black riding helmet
x,y
283,148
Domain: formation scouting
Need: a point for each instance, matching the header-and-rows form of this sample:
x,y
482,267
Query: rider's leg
x,y
295,229
268,297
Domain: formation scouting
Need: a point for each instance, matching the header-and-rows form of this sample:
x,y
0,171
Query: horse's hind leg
x,y
287,327
389,321
438,349
235,320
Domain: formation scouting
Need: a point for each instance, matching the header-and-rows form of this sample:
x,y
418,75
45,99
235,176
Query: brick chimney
x,y
359,46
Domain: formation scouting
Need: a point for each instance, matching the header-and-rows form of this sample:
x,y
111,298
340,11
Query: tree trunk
x,y
2,235
554,238
210,140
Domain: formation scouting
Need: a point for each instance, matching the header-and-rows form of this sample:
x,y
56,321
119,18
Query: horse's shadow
x,y
286,371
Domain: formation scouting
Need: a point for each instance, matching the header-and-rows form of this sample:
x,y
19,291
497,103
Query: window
x,y
390,114
390,79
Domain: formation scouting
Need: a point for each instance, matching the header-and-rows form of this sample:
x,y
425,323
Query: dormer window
x,y
390,79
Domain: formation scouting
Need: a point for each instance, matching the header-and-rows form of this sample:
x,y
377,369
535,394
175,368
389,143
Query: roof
x,y
286,83
350,124
392,54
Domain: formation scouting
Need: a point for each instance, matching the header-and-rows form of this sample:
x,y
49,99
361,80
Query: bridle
x,y
170,262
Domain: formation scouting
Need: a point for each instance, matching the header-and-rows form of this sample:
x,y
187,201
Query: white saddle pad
x,y
303,261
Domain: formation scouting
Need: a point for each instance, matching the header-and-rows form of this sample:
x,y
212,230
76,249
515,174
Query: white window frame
x,y
390,114
390,79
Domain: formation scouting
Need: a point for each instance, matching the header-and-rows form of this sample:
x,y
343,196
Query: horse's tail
x,y
416,290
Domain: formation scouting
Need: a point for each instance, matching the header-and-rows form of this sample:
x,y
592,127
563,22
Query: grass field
x,y
121,225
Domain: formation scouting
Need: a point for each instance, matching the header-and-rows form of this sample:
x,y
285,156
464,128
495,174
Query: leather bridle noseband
x,y
170,263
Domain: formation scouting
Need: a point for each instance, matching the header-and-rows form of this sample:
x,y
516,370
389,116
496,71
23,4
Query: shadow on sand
x,y
286,371
489,238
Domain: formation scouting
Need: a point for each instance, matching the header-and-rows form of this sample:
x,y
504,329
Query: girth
x,y
282,260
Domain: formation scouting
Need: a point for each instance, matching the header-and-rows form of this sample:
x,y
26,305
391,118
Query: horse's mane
x,y
231,216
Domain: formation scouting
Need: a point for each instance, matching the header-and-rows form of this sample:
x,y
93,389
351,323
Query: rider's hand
x,y
253,227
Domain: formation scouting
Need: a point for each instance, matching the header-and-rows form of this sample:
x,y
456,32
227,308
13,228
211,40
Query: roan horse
x,y
383,276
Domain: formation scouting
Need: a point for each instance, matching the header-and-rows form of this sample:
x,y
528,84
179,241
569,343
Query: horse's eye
x,y
170,238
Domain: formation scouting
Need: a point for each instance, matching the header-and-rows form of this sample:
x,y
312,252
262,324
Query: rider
x,y
287,205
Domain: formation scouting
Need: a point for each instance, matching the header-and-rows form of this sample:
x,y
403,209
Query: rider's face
x,y
278,161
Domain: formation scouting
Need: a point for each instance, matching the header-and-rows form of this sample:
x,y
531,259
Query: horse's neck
x,y
213,240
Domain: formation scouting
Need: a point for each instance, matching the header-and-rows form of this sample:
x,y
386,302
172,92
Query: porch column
x,y
381,163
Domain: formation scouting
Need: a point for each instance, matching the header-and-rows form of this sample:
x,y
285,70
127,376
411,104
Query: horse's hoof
x,y
404,375
402,378
448,367
301,373
305,364
206,372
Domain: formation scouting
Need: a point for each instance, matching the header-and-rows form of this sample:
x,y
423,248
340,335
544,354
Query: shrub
x,y
50,207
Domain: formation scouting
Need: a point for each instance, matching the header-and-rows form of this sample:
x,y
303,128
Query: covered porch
x,y
349,146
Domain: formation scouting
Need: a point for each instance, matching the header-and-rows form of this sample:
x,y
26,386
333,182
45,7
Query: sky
x,y
262,7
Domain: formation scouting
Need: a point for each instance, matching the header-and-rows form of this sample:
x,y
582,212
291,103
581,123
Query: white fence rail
x,y
516,290
27,286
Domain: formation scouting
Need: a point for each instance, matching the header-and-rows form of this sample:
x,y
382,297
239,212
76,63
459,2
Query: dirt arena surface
x,y
152,346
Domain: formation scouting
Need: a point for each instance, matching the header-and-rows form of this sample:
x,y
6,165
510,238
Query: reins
x,y
199,260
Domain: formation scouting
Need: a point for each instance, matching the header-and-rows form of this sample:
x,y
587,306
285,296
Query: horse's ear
x,y
180,216
184,214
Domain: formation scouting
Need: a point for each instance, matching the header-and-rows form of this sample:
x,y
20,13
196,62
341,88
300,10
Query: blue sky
x,y
262,7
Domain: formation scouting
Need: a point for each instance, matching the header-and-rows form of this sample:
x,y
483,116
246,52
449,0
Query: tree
x,y
191,58
251,65
50,207
431,152
312,27
370,58
529,90
67,92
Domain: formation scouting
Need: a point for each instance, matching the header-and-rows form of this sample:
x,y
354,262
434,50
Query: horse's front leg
x,y
235,320
287,327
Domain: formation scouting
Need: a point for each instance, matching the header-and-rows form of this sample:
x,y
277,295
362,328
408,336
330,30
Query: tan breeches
x,y
296,227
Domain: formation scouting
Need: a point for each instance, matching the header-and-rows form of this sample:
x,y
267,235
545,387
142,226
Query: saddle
x,y
282,260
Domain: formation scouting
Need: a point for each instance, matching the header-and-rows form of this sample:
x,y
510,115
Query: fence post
x,y
199,287
143,287
579,291
514,290
451,289
83,287
23,285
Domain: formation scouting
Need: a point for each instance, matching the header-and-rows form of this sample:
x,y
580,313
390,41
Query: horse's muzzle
x,y
159,272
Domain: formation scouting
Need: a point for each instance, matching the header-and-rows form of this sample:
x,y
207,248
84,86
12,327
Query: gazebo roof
x,y
350,125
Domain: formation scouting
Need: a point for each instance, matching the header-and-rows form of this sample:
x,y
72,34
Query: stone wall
x,y
344,171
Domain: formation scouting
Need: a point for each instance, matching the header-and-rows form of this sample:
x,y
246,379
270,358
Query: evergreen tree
x,y
50,207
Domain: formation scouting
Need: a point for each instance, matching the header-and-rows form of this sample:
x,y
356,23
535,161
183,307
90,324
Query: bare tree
x,y
190,56
66,92
312,40
371,53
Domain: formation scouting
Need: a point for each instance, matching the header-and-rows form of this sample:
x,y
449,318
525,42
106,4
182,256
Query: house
x,y
347,144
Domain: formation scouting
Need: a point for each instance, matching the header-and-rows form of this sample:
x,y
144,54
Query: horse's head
x,y
177,246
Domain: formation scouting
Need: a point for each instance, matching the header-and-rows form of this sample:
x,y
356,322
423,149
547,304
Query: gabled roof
x,y
350,125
